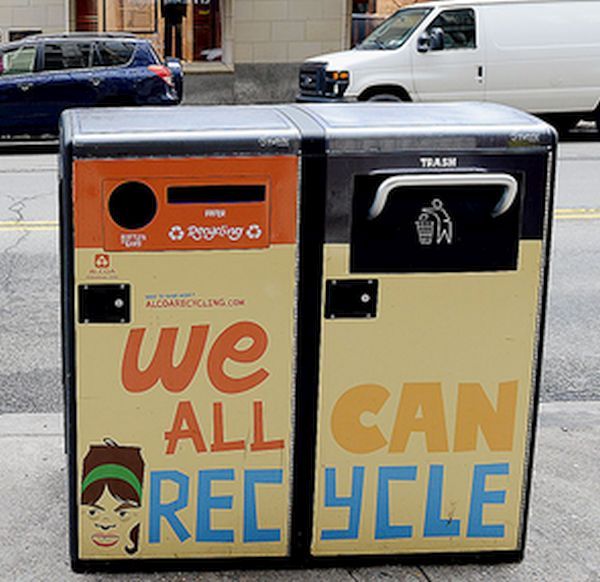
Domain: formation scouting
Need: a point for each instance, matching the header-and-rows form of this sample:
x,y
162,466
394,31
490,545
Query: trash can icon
x,y
434,223
425,228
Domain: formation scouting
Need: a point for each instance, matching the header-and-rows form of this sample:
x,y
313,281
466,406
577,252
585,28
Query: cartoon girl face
x,y
111,495
109,521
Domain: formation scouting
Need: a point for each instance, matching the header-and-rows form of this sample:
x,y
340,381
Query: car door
x,y
17,78
115,78
455,70
65,79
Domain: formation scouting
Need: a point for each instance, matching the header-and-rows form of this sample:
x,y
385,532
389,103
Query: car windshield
x,y
394,32
17,61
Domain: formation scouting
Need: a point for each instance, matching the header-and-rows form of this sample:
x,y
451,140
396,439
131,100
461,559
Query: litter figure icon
x,y
434,224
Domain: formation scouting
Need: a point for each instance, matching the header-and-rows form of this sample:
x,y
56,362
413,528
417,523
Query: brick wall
x,y
288,31
387,7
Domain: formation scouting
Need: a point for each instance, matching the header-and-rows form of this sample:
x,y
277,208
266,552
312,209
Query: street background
x,y
30,378
564,543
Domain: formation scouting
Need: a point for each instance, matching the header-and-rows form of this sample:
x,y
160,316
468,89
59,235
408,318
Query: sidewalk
x,y
563,537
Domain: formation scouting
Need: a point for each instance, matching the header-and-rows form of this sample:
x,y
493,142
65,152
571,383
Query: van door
x,y
454,69
543,58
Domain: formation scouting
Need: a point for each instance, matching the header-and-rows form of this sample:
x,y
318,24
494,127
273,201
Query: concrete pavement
x,y
563,537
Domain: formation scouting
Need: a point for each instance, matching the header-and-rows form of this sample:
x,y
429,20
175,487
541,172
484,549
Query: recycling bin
x,y
434,265
180,246
298,335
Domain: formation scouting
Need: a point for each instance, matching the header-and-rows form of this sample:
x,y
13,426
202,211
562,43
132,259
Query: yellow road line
x,y
29,222
577,213
580,217
575,210
29,229
27,225
49,225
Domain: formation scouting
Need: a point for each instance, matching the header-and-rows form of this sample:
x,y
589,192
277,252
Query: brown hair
x,y
112,453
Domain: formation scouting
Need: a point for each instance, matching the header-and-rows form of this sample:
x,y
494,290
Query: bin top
x,y
395,127
178,131
349,128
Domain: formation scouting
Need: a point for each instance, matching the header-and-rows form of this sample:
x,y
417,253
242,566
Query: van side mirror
x,y
431,41
423,43
436,39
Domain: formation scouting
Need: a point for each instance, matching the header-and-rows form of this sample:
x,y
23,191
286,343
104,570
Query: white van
x,y
542,56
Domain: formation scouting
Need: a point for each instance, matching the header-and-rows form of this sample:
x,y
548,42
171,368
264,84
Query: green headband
x,y
111,471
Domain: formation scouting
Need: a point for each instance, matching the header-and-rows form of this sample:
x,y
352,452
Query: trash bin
x,y
296,333
180,248
435,257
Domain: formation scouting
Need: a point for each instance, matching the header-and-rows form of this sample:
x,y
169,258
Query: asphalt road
x,y
30,377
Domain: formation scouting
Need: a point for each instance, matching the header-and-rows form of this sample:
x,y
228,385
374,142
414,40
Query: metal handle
x,y
509,183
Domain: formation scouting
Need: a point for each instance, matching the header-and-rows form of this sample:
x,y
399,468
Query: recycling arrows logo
x,y
176,233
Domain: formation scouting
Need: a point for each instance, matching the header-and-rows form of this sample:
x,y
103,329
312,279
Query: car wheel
x,y
385,97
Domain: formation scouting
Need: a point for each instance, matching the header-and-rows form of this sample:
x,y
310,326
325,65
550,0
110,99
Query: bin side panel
x,y
184,413
424,412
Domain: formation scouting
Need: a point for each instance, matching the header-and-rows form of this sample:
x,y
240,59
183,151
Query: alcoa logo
x,y
102,261
176,233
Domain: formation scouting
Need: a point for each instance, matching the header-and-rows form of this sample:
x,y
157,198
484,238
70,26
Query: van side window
x,y
458,27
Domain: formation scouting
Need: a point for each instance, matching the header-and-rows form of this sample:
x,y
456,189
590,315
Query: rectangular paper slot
x,y
215,194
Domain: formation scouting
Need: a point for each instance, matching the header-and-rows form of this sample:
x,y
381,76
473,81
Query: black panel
x,y
104,303
355,298
214,194
310,276
528,167
443,228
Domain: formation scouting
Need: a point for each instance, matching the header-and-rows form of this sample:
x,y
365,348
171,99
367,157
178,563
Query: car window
x,y
17,61
66,55
458,27
111,53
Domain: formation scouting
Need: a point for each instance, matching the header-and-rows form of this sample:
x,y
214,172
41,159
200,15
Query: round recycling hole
x,y
132,205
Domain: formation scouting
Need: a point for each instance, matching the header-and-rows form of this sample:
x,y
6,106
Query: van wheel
x,y
385,97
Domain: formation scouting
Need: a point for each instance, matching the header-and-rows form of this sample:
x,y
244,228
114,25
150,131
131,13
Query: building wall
x,y
39,15
387,7
288,31
265,41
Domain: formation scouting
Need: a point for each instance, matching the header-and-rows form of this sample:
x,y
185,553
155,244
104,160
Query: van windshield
x,y
394,32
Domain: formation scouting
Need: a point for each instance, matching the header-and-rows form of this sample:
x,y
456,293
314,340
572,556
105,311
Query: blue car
x,y
41,76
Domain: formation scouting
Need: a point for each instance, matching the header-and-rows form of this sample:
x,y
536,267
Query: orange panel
x,y
206,225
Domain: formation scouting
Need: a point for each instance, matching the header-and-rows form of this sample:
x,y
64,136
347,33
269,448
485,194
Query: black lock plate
x,y
105,303
351,298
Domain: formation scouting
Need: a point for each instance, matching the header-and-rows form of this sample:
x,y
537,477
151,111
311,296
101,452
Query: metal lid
x,y
179,131
371,128
348,128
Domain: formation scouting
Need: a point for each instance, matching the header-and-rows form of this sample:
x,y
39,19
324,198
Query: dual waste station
x,y
298,334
